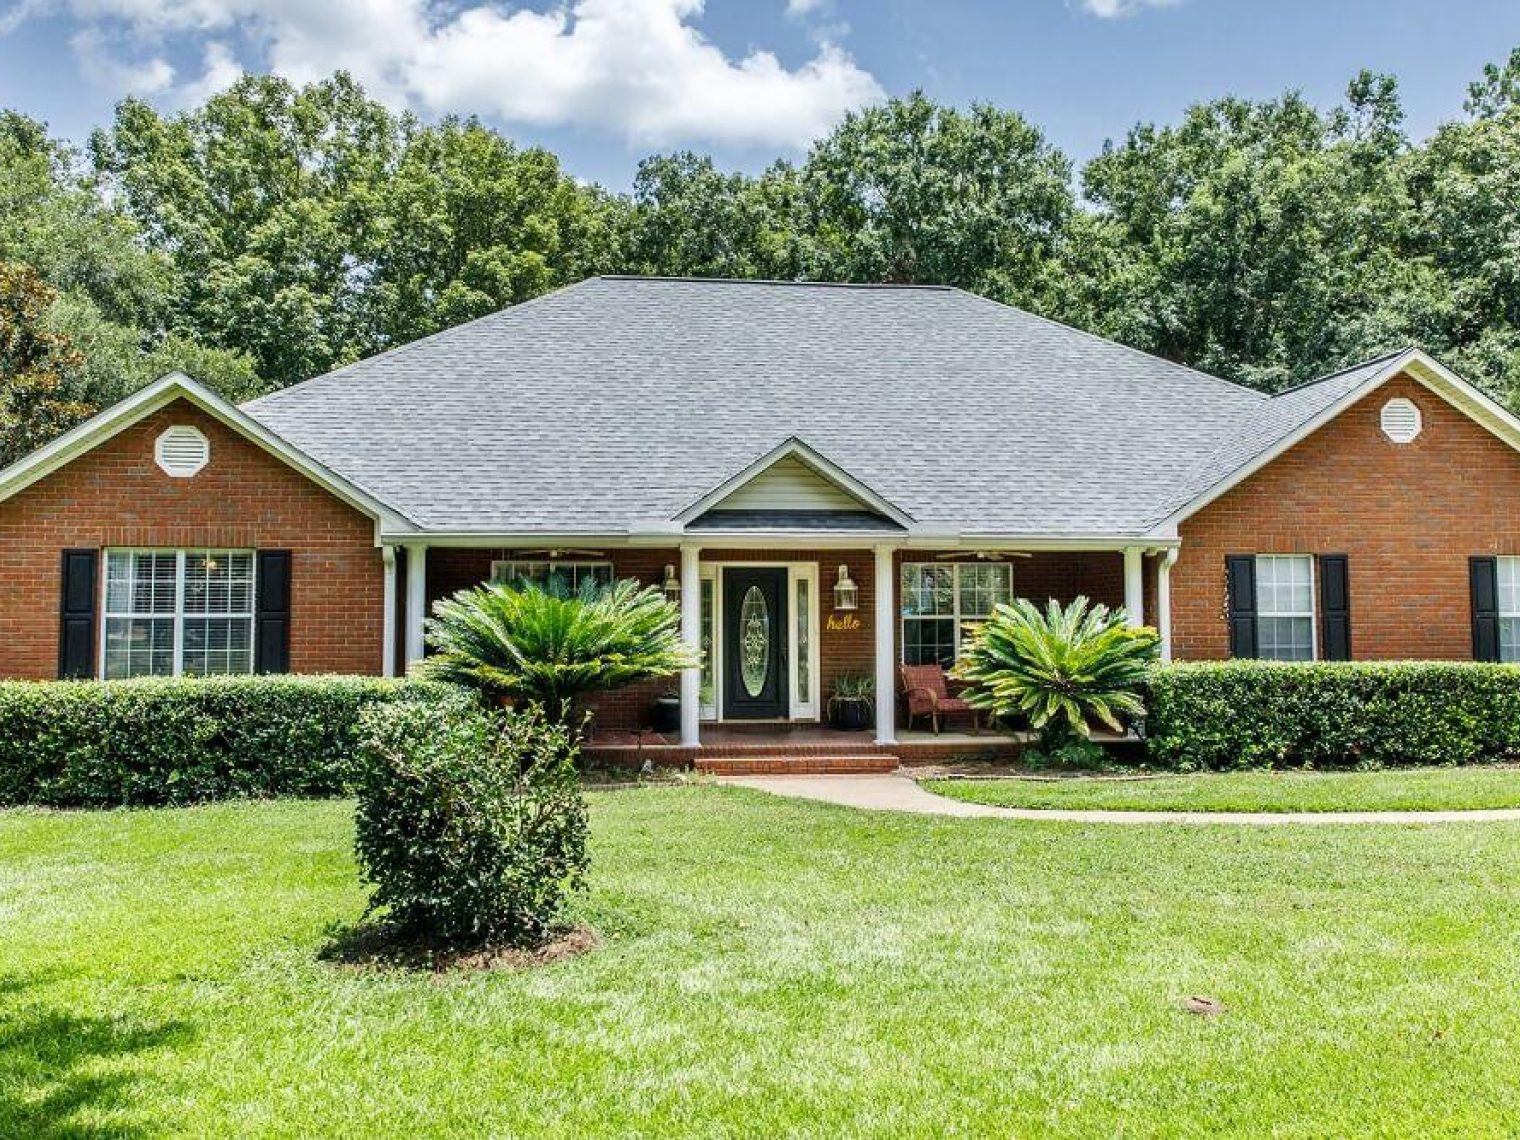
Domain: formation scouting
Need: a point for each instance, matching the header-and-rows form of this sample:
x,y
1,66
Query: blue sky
x,y
604,82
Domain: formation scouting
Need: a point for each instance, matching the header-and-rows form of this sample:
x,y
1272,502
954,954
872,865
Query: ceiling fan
x,y
561,551
984,555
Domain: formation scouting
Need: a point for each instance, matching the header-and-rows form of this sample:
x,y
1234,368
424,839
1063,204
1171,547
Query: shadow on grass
x,y
379,945
56,1066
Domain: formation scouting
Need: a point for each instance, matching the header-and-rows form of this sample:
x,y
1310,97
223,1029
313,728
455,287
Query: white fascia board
x,y
109,423
1430,373
788,448
807,540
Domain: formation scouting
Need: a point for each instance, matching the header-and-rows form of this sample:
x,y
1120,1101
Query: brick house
x,y
846,474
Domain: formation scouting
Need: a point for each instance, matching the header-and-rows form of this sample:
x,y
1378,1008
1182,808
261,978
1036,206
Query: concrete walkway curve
x,y
899,793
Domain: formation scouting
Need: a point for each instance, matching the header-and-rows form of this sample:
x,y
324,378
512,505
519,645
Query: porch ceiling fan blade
x,y
983,555
558,551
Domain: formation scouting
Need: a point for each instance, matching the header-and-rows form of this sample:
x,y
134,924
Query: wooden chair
x,y
929,694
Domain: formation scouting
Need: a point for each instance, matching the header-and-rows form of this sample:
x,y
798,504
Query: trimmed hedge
x,y
158,741
1258,714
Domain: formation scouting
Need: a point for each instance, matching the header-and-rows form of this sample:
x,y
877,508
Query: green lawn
x,y
773,966
1406,789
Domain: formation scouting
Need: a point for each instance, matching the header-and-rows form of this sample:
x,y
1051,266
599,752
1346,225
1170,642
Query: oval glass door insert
x,y
755,652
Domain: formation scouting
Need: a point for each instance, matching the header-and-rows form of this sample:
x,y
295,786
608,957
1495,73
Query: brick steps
x,y
795,765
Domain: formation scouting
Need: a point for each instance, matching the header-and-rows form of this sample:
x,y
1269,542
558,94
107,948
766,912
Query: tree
x,y
53,218
38,367
468,224
1259,241
266,199
1465,191
688,219
914,192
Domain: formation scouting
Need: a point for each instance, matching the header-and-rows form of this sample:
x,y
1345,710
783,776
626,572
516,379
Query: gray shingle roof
x,y
618,402
1268,424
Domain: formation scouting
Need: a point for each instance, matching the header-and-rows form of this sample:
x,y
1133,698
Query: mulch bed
x,y
379,946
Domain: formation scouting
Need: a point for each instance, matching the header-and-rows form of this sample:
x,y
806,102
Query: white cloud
x,y
1114,9
102,66
638,68
799,8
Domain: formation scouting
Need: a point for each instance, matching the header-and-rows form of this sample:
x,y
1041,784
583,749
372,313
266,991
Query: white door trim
x,y
796,572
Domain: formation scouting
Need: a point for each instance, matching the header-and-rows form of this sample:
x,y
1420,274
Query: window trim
x,y
956,617
1500,613
1312,614
498,577
177,617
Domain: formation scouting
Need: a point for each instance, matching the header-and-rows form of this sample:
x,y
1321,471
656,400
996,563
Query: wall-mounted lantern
x,y
671,585
846,593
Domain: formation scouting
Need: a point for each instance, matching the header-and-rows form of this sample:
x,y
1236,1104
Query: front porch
x,y
785,628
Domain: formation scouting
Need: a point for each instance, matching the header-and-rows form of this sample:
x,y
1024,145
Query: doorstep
x,y
875,764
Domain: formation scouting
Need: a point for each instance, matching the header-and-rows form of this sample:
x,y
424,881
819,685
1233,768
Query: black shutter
x,y
271,615
1241,572
1483,573
1335,607
76,633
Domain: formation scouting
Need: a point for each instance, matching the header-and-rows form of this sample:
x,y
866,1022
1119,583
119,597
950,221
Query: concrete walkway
x,y
898,793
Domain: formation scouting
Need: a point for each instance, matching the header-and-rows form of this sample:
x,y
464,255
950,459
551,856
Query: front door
x,y
754,640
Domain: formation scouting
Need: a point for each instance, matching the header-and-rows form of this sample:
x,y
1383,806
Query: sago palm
x,y
533,645
1062,668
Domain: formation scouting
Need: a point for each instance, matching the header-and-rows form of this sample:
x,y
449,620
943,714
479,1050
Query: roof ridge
x,y
1368,363
661,278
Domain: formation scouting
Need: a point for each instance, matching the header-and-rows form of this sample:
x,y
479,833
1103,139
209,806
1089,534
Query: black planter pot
x,y
667,714
851,715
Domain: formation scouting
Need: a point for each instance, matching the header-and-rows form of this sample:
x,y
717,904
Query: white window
x,y
1509,609
555,577
178,612
938,598
1285,607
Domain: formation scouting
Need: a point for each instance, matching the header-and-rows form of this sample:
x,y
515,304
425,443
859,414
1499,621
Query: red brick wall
x,y
116,495
1408,516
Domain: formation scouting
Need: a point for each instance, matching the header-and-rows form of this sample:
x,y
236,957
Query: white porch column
x,y
1164,601
388,610
691,633
1134,584
885,587
416,600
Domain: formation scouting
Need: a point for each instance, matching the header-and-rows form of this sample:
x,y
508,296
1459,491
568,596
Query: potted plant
x,y
851,704
667,711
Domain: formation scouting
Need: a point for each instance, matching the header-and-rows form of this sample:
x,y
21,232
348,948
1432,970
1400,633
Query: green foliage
x,y
915,192
39,368
470,825
1258,714
534,645
1061,668
853,687
158,741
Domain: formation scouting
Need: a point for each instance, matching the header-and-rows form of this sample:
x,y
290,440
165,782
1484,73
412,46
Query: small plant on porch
x,y
1063,668
526,644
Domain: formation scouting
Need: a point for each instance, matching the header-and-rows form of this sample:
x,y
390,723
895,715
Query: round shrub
x,y
471,825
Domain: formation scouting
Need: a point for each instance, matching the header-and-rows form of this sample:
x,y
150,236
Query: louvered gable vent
x,y
182,451
1401,420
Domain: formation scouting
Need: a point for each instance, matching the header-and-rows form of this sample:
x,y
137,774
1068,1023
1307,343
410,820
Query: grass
x,y
772,967
1404,789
